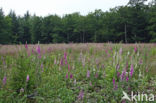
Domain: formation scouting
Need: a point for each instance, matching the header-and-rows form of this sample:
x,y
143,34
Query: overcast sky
x,y
60,7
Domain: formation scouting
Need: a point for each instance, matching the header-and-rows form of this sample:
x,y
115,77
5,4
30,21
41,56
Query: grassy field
x,y
76,73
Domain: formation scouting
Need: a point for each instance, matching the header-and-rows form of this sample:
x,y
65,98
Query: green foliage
x,y
132,23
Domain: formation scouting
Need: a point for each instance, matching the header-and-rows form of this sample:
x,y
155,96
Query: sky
x,y
59,7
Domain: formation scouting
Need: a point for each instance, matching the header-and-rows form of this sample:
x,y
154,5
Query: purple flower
x,y
66,61
61,62
123,74
71,76
38,49
81,95
113,82
26,46
127,78
118,74
27,79
88,74
135,49
67,76
65,55
114,85
132,70
4,80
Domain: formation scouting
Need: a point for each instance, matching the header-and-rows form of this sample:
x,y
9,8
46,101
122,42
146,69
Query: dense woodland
x,y
134,22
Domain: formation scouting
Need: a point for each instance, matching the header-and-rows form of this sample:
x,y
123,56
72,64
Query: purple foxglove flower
x,y
113,82
81,95
61,62
26,46
27,79
66,61
88,74
135,49
118,74
123,74
111,49
106,51
67,76
127,78
65,55
4,80
132,70
38,49
71,76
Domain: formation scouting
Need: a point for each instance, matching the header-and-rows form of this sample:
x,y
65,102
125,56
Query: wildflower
x,y
26,46
132,70
38,49
120,51
71,76
67,76
65,55
81,95
135,49
66,61
114,85
61,62
118,74
127,78
123,74
4,80
113,82
27,79
65,58
88,74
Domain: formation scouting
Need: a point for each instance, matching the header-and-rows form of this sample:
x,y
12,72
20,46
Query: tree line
x,y
134,22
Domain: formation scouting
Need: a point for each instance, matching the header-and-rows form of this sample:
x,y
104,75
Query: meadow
x,y
76,73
